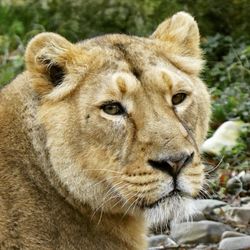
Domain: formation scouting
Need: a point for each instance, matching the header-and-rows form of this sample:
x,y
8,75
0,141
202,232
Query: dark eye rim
x,y
182,99
121,109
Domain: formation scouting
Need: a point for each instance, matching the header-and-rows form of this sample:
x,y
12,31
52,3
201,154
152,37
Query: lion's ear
x,y
182,31
48,54
55,65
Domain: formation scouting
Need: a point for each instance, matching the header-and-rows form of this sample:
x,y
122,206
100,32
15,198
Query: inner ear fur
x,y
48,54
181,33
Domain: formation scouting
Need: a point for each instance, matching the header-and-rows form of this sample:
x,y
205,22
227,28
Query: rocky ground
x,y
222,224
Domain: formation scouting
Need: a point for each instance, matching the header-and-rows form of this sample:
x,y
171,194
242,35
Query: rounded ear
x,y
47,53
182,31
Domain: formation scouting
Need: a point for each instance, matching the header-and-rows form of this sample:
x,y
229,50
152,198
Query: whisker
x,y
99,221
111,194
127,200
98,183
105,199
126,212
103,169
124,188
215,167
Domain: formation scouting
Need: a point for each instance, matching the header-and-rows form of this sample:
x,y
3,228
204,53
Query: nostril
x,y
160,165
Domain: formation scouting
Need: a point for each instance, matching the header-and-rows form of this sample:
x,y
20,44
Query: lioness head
x,y
124,117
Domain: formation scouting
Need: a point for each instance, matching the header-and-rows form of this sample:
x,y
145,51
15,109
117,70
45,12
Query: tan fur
x,y
75,177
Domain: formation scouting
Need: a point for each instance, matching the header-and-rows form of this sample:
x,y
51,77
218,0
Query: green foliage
x,y
11,61
80,19
230,103
228,76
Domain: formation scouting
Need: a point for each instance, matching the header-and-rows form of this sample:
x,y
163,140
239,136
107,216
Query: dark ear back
x,y
48,54
56,73
57,66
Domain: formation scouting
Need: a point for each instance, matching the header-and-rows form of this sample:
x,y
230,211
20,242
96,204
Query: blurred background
x,y
225,36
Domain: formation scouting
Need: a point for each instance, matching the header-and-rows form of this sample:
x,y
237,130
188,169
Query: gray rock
x,y
198,217
240,215
234,185
235,243
198,232
246,205
245,200
245,178
222,210
205,247
230,234
161,241
207,205
156,248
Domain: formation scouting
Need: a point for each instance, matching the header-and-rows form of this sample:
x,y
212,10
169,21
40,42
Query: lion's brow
x,y
122,48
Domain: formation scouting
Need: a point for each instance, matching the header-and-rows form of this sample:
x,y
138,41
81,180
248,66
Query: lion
x,y
101,138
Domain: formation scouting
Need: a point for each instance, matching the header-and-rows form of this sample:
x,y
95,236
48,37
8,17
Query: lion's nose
x,y
173,164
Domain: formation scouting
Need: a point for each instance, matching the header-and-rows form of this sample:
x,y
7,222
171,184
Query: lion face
x,y
125,117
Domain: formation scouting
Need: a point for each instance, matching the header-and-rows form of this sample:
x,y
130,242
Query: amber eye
x,y
113,108
178,98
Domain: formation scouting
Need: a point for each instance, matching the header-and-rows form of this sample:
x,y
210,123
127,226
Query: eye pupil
x,y
178,98
113,109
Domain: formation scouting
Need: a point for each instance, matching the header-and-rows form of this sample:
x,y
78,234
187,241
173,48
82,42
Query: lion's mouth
x,y
175,193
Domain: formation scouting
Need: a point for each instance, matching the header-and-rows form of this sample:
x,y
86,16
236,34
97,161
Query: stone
x,y
198,232
239,215
204,247
222,210
156,248
246,205
245,200
245,178
235,243
207,205
234,185
160,240
198,217
225,137
230,234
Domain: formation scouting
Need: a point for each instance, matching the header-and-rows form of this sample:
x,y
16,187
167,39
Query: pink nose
x,y
173,164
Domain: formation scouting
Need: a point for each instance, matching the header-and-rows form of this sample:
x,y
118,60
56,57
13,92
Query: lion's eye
x,y
178,98
114,108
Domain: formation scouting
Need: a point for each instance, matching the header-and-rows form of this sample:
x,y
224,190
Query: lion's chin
x,y
173,209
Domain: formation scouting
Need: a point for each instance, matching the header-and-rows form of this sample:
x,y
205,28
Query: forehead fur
x,y
129,62
135,55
